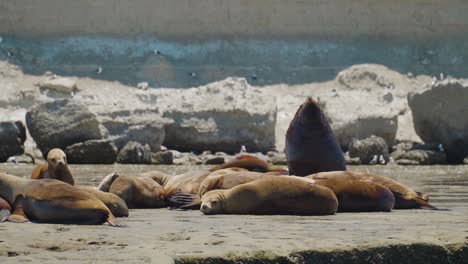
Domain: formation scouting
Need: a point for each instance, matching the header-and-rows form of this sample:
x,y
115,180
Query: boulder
x,y
135,153
59,87
372,150
151,134
62,123
367,100
440,115
101,151
163,157
237,114
12,137
425,157
419,154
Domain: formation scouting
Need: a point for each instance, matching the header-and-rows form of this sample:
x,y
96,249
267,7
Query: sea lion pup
x,y
137,192
52,201
405,197
55,168
272,195
116,205
251,163
311,146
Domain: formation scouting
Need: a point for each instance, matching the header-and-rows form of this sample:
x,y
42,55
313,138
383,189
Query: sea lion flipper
x,y
181,200
18,215
113,222
4,214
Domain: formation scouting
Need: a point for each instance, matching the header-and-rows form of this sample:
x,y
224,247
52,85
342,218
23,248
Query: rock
x,y
214,160
151,134
407,162
465,161
372,100
352,161
12,137
21,159
60,85
367,149
92,152
237,114
277,158
135,153
439,114
62,123
425,157
162,157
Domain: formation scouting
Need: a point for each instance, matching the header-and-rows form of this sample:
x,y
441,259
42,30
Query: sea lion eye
x,y
54,160
213,202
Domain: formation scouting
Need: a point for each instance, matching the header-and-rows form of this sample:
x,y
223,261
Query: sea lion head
x,y
310,114
56,158
119,207
212,202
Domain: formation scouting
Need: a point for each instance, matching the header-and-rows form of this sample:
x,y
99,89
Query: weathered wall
x,y
198,19
266,41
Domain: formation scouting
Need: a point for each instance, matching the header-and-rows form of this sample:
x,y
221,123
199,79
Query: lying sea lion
x,y
311,145
137,192
227,179
55,168
405,197
353,195
116,205
251,163
272,195
52,201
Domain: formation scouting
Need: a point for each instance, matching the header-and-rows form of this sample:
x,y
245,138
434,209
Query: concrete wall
x,y
199,19
266,41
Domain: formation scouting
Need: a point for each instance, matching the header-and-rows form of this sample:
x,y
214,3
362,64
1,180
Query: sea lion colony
x,y
318,184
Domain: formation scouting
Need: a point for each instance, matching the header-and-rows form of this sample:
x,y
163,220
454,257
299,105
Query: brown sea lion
x,y
52,201
251,163
55,168
272,195
227,179
311,146
353,195
116,205
137,192
405,197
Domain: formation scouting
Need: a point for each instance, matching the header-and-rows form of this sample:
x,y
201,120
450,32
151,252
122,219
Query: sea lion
x,y
52,201
137,192
116,205
405,197
55,168
251,163
272,195
353,195
227,179
311,146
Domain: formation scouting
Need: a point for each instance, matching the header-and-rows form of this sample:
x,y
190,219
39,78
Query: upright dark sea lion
x,y
52,201
272,195
55,168
405,197
311,146
250,163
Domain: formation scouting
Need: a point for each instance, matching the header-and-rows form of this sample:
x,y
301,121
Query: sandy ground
x,y
162,235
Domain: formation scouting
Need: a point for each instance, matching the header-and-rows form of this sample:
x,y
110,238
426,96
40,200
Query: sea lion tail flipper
x,y
112,222
4,214
106,183
181,200
423,204
18,216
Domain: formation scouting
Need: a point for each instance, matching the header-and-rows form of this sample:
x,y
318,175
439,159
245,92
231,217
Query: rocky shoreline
x,y
379,116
